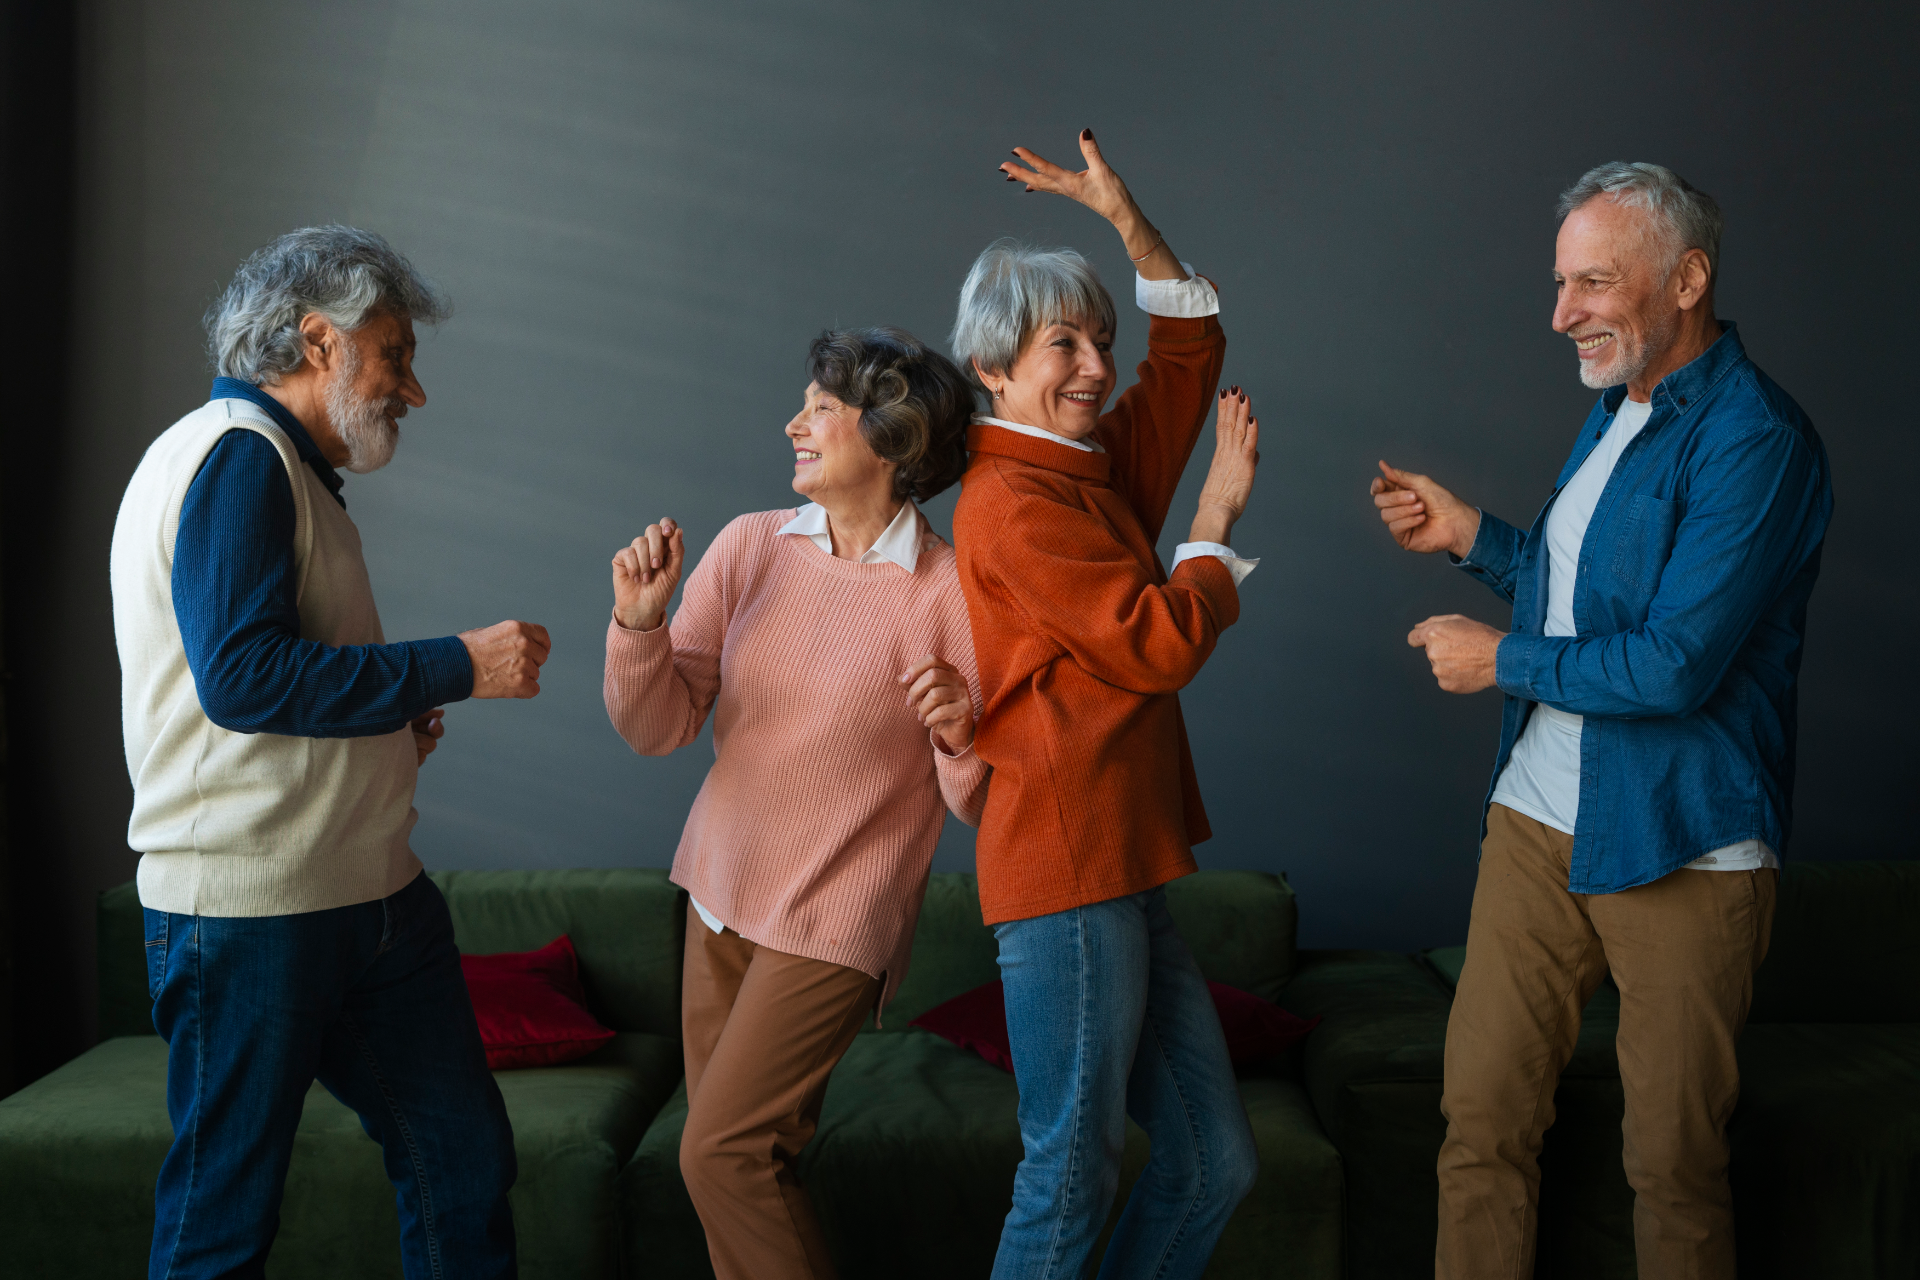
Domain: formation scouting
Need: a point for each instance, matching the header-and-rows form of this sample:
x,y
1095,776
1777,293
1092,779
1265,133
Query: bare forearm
x,y
1141,237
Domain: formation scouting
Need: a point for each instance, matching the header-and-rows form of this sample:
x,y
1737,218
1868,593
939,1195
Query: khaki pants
x,y
762,1031
1682,951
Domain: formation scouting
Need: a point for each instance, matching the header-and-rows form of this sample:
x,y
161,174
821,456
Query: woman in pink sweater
x,y
832,645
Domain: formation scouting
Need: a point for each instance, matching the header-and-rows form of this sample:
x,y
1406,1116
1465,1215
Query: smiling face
x,y
832,461
1061,381
370,389
1618,301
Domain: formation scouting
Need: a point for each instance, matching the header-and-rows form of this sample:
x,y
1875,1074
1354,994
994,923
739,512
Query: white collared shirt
x,y
899,544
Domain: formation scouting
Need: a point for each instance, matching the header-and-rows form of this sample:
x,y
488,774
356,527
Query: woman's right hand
x,y
1236,454
645,574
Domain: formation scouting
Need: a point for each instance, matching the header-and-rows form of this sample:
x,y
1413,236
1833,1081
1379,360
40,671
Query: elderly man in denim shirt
x,y
1643,789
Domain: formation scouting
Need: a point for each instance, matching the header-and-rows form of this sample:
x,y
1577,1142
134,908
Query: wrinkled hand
x,y
1460,649
427,728
1421,515
1097,186
939,697
1229,483
506,658
645,574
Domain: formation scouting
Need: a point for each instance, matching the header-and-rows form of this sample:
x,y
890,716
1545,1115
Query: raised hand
x,y
939,697
1421,515
506,658
645,574
427,728
1100,189
1236,453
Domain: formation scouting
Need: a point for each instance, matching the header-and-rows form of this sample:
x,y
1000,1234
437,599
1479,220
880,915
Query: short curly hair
x,y
914,403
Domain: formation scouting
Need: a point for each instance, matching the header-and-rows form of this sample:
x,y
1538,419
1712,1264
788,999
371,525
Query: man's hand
x,y
645,573
506,658
938,695
1460,649
427,728
1421,515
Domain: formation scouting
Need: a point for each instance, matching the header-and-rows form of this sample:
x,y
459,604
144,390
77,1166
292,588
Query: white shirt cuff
x,y
1187,299
1236,565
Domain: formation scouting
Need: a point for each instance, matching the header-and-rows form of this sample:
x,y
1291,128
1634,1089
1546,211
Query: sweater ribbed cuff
x,y
448,669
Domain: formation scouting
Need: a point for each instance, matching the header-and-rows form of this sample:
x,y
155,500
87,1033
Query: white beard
x,y
1630,361
367,427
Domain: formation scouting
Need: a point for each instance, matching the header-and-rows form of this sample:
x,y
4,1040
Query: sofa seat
x,y
80,1148
912,1173
1826,1150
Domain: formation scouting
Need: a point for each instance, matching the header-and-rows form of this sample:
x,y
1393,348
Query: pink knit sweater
x,y
815,828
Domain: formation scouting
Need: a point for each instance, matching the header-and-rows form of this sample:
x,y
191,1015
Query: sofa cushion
x,y
1844,948
628,926
531,1010
1239,924
912,1173
80,1149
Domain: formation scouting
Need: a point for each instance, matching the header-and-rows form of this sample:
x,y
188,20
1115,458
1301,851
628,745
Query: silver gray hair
x,y
1683,216
345,274
1014,290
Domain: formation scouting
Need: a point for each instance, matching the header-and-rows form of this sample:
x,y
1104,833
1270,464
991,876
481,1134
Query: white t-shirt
x,y
1542,777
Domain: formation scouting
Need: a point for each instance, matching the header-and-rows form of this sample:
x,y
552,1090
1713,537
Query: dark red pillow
x,y
1257,1030
531,1008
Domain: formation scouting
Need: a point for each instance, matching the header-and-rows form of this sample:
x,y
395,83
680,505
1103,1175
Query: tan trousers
x,y
1682,951
762,1031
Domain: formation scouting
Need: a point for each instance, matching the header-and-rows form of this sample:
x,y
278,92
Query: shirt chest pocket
x,y
1646,541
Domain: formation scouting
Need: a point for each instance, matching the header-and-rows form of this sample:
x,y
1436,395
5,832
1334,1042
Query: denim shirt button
x,y
1683,402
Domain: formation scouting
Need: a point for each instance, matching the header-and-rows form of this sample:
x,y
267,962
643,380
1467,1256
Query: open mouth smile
x,y
1081,397
1592,343
805,455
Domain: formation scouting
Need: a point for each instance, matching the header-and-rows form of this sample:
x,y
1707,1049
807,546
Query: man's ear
x,y
323,340
1695,278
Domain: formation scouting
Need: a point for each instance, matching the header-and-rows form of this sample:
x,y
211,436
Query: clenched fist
x,y
939,697
645,572
1460,650
506,658
1421,515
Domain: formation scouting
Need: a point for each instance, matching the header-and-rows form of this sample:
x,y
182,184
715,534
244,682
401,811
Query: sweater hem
x,y
177,883
994,912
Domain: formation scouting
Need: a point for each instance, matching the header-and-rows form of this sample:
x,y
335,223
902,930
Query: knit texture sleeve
x,y
661,684
234,599
1081,588
1153,428
963,775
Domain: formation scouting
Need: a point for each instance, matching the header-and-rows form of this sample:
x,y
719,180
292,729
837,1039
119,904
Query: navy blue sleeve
x,y
233,595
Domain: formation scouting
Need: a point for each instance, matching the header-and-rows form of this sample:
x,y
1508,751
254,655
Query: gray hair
x,y
1683,216
1015,289
344,274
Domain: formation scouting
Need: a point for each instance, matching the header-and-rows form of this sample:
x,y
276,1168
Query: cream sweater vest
x,y
237,824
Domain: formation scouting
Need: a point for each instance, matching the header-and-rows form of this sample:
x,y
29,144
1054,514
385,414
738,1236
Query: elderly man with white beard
x,y
1642,794
274,738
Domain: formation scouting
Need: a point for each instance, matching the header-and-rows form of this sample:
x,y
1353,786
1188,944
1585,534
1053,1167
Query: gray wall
x,y
644,211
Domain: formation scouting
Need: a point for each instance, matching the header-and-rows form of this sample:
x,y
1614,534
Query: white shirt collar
x,y
1084,446
899,544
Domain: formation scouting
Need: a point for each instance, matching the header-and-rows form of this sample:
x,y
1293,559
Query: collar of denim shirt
x,y
1688,384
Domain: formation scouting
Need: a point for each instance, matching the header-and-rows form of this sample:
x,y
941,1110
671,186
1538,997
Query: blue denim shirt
x,y
1690,611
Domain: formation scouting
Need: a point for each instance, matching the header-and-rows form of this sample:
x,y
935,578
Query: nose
x,y
792,428
1565,313
412,392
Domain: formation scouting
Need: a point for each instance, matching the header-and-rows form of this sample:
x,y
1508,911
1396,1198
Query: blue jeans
x,y
369,1000
1110,1017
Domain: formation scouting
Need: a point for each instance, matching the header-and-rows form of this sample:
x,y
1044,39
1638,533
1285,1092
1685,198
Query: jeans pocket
x,y
157,929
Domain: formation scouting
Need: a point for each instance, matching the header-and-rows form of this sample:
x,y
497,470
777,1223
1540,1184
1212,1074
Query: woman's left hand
x,y
1100,189
939,697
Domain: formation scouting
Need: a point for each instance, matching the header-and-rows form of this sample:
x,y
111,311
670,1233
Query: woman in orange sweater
x,y
831,645
1084,642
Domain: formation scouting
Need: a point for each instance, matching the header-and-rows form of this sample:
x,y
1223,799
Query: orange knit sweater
x,y
815,828
1084,641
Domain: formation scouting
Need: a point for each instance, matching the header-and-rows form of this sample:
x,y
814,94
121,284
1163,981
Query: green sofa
x,y
1825,1142
912,1167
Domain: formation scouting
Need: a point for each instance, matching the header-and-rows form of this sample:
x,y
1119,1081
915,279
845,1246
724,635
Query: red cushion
x,y
1257,1030
531,1008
